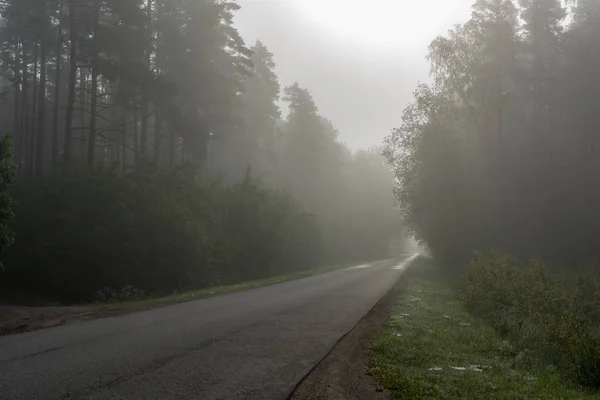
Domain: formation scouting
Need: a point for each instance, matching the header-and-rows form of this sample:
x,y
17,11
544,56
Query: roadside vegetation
x,y
497,164
553,318
29,314
435,348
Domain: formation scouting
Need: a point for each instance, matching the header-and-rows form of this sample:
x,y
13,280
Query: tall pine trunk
x,y
82,106
157,135
144,128
93,118
24,108
94,93
17,110
34,103
123,142
68,147
136,139
158,120
172,147
41,112
145,95
58,64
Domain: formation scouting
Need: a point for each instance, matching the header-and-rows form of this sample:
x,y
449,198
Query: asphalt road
x,y
255,344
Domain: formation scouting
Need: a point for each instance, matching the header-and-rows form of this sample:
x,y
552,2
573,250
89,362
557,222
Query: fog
x,y
156,152
236,143
344,124
361,83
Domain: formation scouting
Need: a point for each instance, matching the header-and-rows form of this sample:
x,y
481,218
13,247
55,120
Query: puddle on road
x,y
361,267
404,264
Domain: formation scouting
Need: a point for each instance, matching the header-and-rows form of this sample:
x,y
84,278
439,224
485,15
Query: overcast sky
x,y
360,59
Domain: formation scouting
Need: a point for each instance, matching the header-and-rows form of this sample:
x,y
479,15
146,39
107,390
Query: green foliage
x,y
125,294
494,154
169,82
158,73
430,332
156,231
253,142
349,192
557,321
266,231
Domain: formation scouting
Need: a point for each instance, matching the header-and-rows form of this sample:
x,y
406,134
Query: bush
x,y
159,232
265,233
126,293
537,313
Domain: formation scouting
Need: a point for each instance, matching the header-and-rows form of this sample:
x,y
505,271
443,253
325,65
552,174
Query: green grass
x,y
220,290
430,332
15,297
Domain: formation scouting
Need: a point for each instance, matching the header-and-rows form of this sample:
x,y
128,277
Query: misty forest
x,y
498,164
149,150
151,154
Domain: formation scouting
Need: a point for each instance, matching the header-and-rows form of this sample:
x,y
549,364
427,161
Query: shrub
x,y
126,293
537,313
159,232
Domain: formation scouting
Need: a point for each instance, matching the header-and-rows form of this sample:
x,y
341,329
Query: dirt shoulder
x,y
20,319
16,319
342,374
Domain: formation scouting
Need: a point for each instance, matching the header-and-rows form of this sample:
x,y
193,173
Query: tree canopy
x,y
500,151
156,116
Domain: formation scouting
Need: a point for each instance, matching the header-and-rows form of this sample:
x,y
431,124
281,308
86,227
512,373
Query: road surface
x,y
256,344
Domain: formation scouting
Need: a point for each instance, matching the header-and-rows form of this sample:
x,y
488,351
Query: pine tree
x,y
253,144
494,24
543,29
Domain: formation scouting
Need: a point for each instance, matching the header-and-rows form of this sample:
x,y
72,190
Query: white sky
x,y
386,23
361,59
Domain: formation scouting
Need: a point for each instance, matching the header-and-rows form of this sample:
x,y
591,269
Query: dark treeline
x,y
501,150
152,154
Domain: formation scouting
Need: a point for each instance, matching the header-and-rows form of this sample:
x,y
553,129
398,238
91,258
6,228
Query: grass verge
x,y
434,349
220,290
34,316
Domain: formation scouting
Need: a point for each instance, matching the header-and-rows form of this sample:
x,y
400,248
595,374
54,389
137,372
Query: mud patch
x,y
18,319
21,319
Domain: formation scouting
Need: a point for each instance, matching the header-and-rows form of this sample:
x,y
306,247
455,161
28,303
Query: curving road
x,y
255,344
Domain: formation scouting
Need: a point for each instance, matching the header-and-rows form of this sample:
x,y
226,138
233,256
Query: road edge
x,y
35,318
347,358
